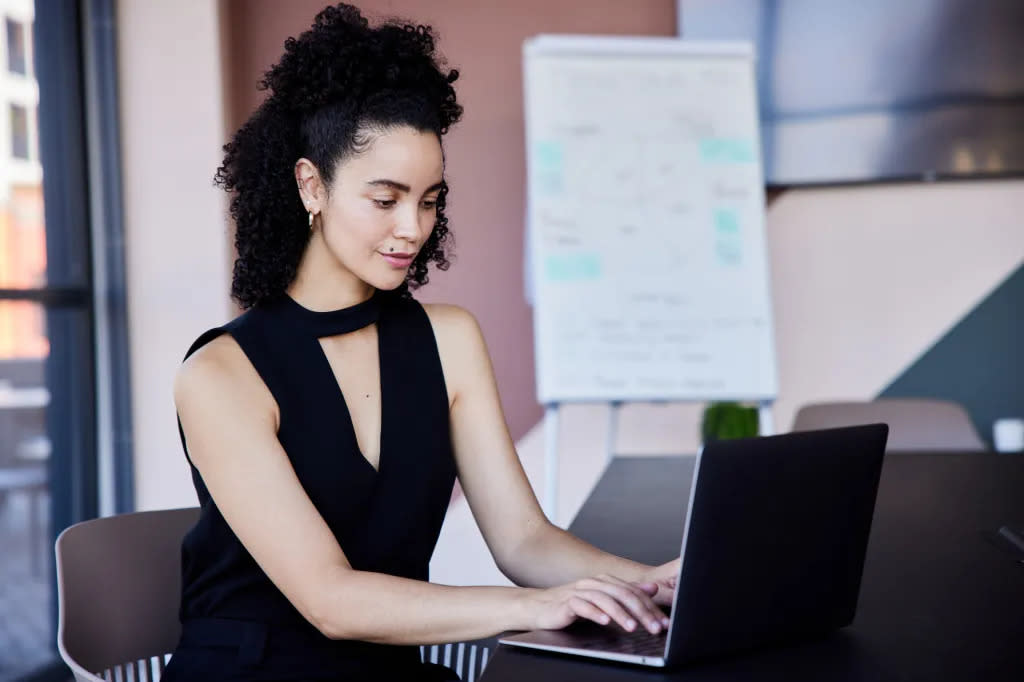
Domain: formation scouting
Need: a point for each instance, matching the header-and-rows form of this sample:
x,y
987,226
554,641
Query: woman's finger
x,y
643,590
645,596
644,586
612,607
584,609
653,614
641,606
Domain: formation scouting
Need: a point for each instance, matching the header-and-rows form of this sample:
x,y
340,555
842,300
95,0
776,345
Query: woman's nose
x,y
408,225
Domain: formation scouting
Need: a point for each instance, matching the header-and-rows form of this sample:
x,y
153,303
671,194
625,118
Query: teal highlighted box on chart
x,y
726,221
572,267
727,150
549,154
728,240
549,164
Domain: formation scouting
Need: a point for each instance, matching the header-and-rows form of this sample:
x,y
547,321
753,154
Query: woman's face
x,y
382,205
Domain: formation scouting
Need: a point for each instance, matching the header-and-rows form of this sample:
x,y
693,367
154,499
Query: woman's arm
x,y
552,556
230,420
525,545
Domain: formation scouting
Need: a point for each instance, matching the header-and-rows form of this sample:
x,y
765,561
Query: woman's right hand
x,y
602,599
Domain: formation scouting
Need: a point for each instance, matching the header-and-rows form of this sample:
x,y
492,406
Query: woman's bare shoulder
x,y
461,346
454,326
220,371
219,360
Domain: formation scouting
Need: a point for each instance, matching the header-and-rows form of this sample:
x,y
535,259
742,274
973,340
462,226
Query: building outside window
x,y
19,132
17,52
48,414
25,394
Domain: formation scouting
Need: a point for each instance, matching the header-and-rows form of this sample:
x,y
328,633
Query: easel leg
x,y
765,419
551,462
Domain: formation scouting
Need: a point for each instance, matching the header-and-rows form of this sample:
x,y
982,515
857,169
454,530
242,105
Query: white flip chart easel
x,y
646,261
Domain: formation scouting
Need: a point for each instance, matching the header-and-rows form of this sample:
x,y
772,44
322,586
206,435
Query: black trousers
x,y
226,650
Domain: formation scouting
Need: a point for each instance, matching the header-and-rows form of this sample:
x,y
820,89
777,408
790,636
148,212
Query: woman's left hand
x,y
664,577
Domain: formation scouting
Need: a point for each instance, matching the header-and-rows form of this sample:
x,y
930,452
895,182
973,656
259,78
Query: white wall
x,y
867,279
172,124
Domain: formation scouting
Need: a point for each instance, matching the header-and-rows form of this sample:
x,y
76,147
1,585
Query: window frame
x,y
26,59
13,109
77,142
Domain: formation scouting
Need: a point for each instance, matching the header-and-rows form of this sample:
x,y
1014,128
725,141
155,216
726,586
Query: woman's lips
x,y
399,260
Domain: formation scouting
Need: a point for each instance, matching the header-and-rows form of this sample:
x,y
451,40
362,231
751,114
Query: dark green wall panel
x,y
978,363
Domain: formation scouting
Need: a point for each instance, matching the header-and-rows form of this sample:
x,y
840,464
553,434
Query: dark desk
x,y
939,600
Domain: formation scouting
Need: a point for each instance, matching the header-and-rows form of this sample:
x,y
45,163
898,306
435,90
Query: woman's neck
x,y
321,283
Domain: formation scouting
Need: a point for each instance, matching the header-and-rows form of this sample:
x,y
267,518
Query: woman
x,y
325,426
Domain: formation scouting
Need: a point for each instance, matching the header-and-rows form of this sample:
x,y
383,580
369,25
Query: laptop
x,y
773,550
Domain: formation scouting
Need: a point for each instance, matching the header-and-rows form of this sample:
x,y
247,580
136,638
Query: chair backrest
x,y
119,589
467,659
914,424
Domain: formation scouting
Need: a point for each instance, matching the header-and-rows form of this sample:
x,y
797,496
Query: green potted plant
x,y
727,420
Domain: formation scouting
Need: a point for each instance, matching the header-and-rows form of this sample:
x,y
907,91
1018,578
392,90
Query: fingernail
x,y
665,622
654,627
630,624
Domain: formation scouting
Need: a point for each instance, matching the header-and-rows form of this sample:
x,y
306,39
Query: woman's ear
x,y
309,185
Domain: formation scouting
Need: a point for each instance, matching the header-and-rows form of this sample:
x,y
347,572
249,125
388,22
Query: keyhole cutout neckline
x,y
319,324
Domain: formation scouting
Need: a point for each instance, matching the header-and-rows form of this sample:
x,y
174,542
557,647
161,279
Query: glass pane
x,y
26,563
19,132
23,237
16,59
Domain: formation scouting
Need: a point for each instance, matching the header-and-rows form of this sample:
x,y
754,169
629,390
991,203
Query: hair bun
x,y
342,58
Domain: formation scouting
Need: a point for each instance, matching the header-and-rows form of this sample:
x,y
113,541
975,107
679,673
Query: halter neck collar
x,y
332,322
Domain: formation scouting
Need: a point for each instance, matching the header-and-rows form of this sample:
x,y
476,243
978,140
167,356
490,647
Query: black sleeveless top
x,y
386,520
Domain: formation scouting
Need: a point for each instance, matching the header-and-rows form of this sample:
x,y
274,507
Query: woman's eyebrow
x,y
401,187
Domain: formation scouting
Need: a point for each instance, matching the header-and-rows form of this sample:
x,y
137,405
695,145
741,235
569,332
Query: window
x,y
50,422
17,61
19,132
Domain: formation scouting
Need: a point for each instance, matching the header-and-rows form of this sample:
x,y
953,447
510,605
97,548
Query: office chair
x,y
118,593
914,424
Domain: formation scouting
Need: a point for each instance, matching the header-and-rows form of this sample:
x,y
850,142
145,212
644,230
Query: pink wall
x,y
486,165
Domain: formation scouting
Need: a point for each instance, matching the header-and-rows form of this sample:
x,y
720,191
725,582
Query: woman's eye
x,y
430,203
384,203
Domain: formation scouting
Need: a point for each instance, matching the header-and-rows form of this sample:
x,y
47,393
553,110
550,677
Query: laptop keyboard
x,y
639,642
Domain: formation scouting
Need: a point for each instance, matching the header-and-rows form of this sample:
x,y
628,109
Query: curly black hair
x,y
334,82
